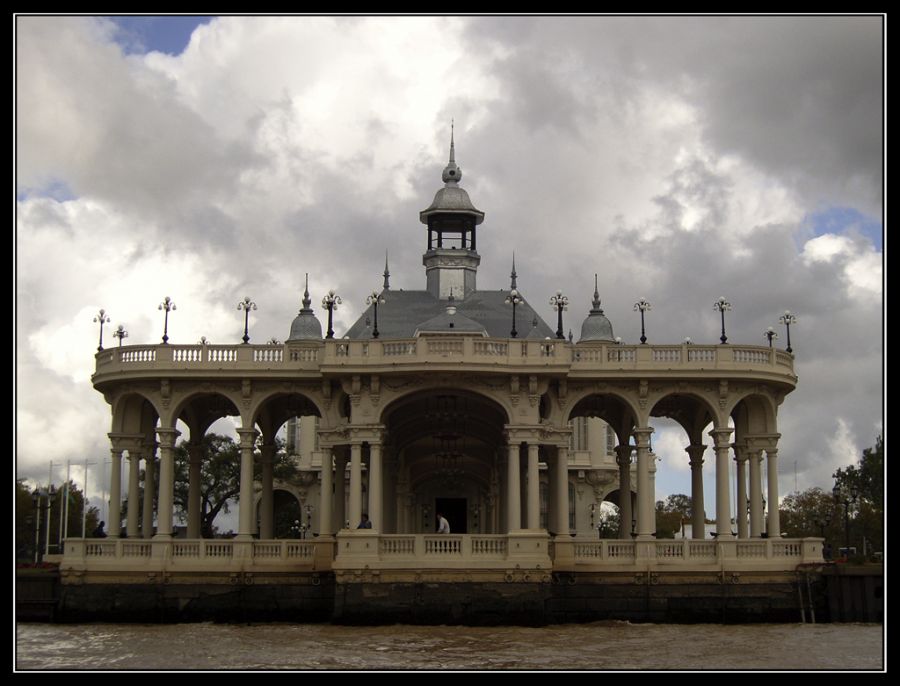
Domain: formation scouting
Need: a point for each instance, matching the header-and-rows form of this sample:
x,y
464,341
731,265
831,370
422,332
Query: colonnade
x,y
522,490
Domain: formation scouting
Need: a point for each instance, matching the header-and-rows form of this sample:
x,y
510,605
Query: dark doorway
x,y
454,510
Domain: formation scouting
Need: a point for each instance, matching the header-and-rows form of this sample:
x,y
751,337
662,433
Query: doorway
x,y
454,510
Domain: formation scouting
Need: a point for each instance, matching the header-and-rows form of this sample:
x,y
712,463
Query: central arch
x,y
446,443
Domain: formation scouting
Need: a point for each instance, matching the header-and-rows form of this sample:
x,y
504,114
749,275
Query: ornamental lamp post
x,y
168,304
845,498
246,305
643,306
787,319
770,334
513,299
375,300
120,333
560,302
330,302
722,306
103,319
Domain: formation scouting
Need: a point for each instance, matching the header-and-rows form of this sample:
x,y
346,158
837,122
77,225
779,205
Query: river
x,y
597,646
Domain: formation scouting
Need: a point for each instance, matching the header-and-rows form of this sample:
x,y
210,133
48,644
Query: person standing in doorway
x,y
443,526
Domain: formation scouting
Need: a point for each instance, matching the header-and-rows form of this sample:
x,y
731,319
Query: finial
x,y
596,296
387,273
306,300
452,174
512,276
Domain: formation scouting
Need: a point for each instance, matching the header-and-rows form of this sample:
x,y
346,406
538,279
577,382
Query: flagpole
x,y
66,509
49,508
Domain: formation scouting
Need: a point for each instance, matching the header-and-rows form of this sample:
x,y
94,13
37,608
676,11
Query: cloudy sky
x,y
680,158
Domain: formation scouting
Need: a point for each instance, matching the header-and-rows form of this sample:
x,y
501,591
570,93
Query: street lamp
x,y
375,300
167,305
722,305
330,302
770,334
822,524
103,319
643,306
560,302
246,305
513,299
120,333
842,497
787,319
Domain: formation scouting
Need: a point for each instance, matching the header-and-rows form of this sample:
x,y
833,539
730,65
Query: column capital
x,y
642,436
623,454
695,453
247,437
721,437
167,437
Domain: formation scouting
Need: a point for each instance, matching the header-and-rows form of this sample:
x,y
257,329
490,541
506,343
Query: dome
x,y
305,325
451,199
596,327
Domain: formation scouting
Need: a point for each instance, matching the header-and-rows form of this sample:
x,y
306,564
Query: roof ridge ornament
x,y
512,276
596,302
452,174
387,273
306,299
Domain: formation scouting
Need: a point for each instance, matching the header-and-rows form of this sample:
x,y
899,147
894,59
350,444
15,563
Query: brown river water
x,y
597,646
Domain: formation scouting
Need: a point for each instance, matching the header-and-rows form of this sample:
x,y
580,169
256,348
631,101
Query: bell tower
x,y
451,261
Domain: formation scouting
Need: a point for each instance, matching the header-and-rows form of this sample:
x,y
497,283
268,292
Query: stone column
x,y
562,491
326,494
164,515
723,498
513,505
698,515
756,505
623,459
376,496
195,501
534,492
646,524
246,523
774,524
355,484
267,501
741,506
115,494
149,491
340,491
132,525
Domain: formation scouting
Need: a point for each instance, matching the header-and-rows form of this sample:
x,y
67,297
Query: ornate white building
x,y
453,400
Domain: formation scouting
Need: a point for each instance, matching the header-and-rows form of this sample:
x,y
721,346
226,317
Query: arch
x,y
201,408
615,409
134,413
277,407
691,410
754,413
411,396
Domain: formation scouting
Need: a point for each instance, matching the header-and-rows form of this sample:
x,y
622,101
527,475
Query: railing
x,y
315,354
687,551
453,546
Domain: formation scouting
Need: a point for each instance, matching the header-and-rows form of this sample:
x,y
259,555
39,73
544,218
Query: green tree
x,y
26,517
864,484
220,477
810,513
671,513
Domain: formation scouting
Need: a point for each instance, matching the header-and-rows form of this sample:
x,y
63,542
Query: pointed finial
x,y
387,273
596,295
306,300
512,276
452,174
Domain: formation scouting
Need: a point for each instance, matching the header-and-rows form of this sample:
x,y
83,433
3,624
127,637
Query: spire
x,y
452,174
387,273
306,299
512,276
596,296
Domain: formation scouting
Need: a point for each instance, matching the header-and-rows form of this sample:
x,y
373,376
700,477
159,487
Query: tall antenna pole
x,y
66,508
49,508
84,499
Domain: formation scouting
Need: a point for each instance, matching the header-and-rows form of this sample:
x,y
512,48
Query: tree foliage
x,y
220,477
670,514
27,520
